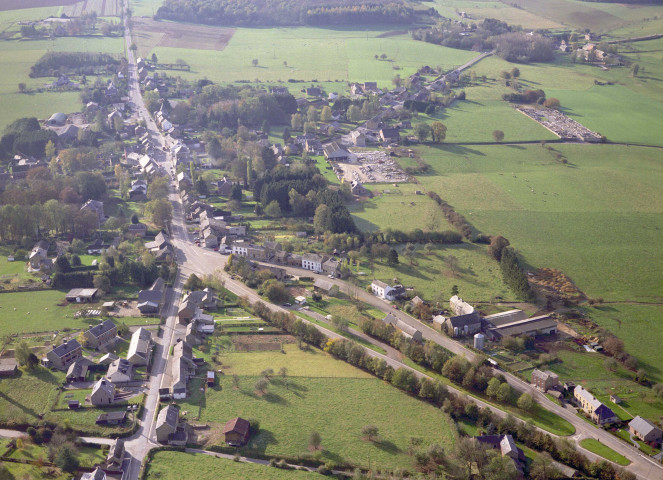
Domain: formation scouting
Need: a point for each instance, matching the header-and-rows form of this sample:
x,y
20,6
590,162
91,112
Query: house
x,y
138,190
184,181
137,229
409,331
120,371
116,453
96,207
313,262
108,359
161,242
416,301
64,354
462,325
224,187
237,431
332,267
186,311
68,132
357,188
99,335
598,412
183,367
390,135
313,92
334,152
202,298
167,422
507,447
645,430
322,285
544,381
96,474
112,418
386,292
103,392
151,300
370,86
300,300
77,371
39,253
358,139
111,118
140,347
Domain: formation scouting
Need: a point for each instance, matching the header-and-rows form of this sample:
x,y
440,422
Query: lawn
x,y
325,395
604,451
25,397
16,58
335,55
477,276
177,465
88,456
40,311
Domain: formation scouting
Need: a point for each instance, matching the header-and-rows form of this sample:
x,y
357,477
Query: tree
x,y
526,402
158,188
261,385
422,131
392,258
133,47
634,70
314,441
439,132
454,290
160,212
134,219
67,459
193,283
542,468
236,192
493,386
452,264
154,58
201,187
236,381
504,393
369,432
397,80
273,209
340,322
551,102
22,353
497,244
410,251
254,62
498,135
62,264
102,282
383,56
21,87
275,291
610,364
326,114
515,72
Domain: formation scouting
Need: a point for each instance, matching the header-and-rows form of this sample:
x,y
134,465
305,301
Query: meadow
x,y
177,465
16,58
307,54
574,217
321,394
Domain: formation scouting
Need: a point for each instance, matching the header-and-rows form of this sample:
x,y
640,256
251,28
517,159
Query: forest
x,y
291,12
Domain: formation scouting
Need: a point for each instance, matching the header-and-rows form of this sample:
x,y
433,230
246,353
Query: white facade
x,y
312,262
382,290
239,249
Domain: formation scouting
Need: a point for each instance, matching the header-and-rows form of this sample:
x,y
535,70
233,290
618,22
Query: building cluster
x,y
406,330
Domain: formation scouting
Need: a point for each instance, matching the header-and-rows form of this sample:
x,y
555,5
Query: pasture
x,y
311,400
308,54
177,465
480,9
574,217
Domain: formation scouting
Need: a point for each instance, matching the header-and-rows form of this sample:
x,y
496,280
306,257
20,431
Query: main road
x,y
193,259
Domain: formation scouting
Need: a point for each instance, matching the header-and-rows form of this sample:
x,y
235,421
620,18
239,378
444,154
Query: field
x,y
103,8
26,312
324,395
604,451
308,54
16,58
150,33
144,8
526,195
177,465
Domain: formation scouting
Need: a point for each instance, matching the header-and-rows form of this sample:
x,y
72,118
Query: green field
x,y
325,395
178,465
16,58
568,217
604,451
144,8
327,55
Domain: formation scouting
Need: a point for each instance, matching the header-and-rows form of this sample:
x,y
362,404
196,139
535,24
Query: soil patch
x,y
393,33
261,343
176,35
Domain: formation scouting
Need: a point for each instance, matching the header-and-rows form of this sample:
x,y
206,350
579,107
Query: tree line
x,y
82,63
290,12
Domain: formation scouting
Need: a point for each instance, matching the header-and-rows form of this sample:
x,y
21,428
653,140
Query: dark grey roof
x,y
525,326
158,284
642,425
111,416
603,412
169,416
100,329
461,320
66,347
149,296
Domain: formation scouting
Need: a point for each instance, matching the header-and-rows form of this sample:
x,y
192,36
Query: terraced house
x,y
598,412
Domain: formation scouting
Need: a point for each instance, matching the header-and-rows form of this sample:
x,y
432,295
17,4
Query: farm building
x,y
80,295
334,152
541,325
112,418
237,431
645,430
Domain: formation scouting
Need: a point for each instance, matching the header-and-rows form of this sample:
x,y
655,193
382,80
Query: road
x,y
193,259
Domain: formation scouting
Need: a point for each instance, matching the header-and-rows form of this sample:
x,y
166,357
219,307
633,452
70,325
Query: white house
x,y
240,248
387,292
313,262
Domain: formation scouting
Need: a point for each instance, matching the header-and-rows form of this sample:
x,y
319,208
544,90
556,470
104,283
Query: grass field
x,y
604,451
324,395
568,217
16,58
177,465
327,55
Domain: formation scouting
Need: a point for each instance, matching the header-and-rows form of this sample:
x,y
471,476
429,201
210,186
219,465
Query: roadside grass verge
x,y
604,451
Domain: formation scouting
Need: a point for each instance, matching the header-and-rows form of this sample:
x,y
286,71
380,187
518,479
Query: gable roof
x,y
101,328
66,347
323,284
169,416
642,425
105,386
140,343
237,425
461,321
